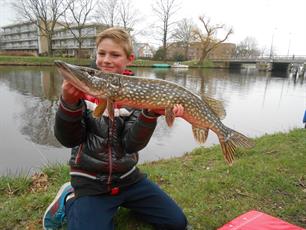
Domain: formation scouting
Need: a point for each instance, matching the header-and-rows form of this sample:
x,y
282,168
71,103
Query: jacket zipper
x,y
110,159
78,156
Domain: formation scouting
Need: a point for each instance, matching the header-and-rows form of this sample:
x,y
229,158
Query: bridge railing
x,y
293,58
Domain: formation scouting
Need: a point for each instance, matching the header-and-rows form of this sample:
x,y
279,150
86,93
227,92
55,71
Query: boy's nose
x,y
106,58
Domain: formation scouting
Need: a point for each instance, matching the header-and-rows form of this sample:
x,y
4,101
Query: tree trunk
x,y
203,57
50,51
186,52
79,51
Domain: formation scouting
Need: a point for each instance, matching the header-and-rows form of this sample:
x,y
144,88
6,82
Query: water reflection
x,y
40,90
256,103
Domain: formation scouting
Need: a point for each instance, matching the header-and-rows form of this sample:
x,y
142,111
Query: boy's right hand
x,y
70,94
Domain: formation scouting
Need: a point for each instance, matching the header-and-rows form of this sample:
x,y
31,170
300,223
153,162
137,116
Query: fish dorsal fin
x,y
200,134
216,106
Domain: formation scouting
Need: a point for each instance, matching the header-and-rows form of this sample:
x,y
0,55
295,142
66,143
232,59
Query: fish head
x,y
87,80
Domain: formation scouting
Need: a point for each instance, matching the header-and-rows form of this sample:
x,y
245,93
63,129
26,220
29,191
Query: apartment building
x,y
21,37
64,40
27,38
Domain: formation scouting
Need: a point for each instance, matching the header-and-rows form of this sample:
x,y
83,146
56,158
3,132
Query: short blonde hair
x,y
119,36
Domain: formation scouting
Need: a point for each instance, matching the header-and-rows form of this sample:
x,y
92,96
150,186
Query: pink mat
x,y
254,220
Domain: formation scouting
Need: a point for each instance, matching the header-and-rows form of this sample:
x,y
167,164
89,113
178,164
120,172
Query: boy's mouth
x,y
107,69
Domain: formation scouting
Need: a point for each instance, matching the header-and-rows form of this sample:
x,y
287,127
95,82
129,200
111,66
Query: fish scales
x,y
138,92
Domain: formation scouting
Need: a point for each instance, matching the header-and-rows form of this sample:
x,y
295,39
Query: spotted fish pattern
x,y
138,92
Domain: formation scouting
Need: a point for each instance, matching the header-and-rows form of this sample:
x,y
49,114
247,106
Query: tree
x,y
165,10
208,39
44,13
76,16
247,48
107,12
127,15
184,34
117,13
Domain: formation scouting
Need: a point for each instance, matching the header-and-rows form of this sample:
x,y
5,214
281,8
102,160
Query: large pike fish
x,y
138,92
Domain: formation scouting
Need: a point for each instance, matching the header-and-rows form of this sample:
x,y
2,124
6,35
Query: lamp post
x,y
289,43
271,48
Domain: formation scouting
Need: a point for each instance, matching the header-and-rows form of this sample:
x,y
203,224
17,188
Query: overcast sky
x,y
283,21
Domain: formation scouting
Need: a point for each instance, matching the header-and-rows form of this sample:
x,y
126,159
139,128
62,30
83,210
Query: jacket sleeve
x,y
69,128
138,131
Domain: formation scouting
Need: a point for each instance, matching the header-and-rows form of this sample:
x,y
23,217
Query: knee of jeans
x,y
180,223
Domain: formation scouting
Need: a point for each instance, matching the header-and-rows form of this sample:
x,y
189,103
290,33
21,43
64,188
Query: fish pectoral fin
x,y
216,106
170,116
99,110
200,134
110,108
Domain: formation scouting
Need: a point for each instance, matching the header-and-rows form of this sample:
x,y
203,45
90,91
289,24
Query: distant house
x,y
177,49
143,50
224,50
27,37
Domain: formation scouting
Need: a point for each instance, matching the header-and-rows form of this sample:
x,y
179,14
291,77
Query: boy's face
x,y
111,57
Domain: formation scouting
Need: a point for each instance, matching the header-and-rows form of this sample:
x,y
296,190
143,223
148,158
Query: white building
x,y
26,37
20,37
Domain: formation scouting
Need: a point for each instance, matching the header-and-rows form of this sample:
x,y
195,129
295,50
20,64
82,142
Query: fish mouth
x,y
76,71
64,69
74,74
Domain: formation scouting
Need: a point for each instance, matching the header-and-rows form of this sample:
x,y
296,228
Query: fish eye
x,y
91,72
114,82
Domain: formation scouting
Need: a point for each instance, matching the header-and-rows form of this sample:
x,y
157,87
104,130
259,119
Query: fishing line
x,y
45,160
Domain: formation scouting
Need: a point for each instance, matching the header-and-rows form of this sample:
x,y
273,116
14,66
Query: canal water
x,y
256,103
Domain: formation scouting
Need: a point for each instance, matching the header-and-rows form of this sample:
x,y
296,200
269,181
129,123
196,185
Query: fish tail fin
x,y
231,141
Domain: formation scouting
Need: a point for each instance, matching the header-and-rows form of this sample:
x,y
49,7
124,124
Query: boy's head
x,y
119,36
114,50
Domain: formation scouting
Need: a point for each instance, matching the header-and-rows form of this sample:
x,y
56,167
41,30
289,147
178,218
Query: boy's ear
x,y
131,58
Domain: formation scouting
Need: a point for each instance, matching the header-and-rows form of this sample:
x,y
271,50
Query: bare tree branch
x,y
76,17
128,15
165,10
247,48
44,13
208,40
107,12
184,34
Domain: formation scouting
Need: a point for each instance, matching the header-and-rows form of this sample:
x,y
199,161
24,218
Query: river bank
x,y
271,177
49,61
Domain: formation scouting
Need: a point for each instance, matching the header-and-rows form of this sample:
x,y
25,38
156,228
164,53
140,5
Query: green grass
x,y
49,61
271,177
31,60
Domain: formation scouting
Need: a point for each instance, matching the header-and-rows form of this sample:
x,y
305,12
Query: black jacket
x,y
104,153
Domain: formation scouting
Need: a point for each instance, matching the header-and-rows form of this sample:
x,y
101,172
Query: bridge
x,y
268,63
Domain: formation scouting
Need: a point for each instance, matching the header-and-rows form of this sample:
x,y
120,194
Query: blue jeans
x,y
144,198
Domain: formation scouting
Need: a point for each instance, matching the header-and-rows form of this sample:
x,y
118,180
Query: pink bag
x,y
254,220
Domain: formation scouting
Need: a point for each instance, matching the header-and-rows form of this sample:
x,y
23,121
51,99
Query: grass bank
x,y
39,61
271,178
49,61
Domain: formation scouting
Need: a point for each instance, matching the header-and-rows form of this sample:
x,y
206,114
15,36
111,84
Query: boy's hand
x,y
178,110
70,94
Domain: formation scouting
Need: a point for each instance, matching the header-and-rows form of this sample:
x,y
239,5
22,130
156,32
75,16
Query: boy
x,y
104,155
